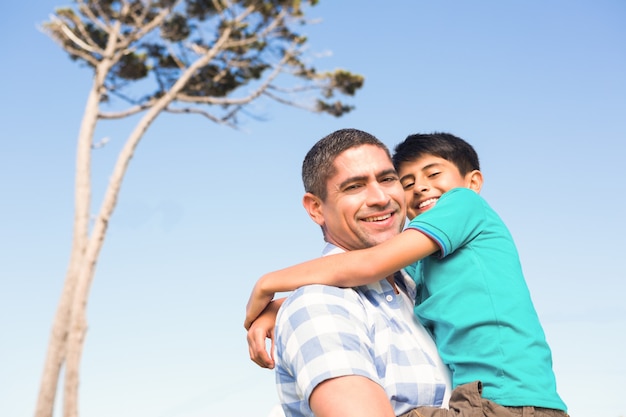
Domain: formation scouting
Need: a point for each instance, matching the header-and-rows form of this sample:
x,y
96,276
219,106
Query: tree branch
x,y
71,36
232,101
144,29
125,113
85,10
222,120
288,102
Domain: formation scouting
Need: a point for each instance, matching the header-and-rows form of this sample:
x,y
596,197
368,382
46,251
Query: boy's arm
x,y
263,328
349,269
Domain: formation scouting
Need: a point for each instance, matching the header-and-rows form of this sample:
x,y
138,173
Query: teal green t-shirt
x,y
476,302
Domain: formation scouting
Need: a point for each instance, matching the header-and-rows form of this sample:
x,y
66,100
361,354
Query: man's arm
x,y
263,328
350,396
349,269
326,355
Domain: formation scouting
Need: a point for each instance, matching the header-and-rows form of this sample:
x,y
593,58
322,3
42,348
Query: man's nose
x,y
377,195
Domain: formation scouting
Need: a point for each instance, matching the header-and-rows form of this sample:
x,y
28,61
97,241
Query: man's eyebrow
x,y
390,171
358,178
350,180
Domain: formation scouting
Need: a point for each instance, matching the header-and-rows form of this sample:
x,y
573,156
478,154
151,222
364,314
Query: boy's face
x,y
426,178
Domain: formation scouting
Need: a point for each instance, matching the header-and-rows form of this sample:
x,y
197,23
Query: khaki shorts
x,y
467,401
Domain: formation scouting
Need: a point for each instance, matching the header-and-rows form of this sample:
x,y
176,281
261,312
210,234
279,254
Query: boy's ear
x,y
475,180
313,205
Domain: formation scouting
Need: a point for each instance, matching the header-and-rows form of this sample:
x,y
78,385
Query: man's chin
x,y
381,237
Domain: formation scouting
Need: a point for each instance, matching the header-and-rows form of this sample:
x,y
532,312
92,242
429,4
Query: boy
x,y
473,294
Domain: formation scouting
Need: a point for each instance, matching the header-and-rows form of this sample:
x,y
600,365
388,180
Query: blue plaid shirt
x,y
324,332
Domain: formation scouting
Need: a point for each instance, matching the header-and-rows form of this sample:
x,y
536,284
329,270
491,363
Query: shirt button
x,y
389,298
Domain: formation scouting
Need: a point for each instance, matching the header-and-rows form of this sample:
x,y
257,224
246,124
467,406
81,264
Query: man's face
x,y
425,179
365,202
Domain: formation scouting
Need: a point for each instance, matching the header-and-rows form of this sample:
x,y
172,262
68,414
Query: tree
x,y
205,57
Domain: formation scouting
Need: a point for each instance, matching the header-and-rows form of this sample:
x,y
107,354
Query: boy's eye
x,y
408,184
433,174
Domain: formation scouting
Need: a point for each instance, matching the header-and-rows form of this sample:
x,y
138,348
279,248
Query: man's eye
x,y
353,187
389,179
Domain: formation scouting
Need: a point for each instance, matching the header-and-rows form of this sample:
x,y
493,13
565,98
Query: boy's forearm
x,y
261,329
353,268
340,270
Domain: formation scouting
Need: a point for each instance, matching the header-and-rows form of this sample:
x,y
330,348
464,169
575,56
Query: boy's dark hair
x,y
443,145
319,163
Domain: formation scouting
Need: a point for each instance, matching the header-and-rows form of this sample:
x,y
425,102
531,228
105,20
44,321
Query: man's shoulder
x,y
320,294
314,302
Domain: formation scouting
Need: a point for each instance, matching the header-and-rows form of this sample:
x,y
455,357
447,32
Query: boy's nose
x,y
421,188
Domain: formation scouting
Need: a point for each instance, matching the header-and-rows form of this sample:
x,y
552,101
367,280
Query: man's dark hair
x,y
318,165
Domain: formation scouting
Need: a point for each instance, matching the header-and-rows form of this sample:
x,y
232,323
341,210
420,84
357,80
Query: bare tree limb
x,y
84,9
287,102
193,110
126,113
243,100
77,40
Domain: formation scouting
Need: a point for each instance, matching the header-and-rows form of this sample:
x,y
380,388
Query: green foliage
x,y
175,28
336,109
347,82
240,42
200,9
131,67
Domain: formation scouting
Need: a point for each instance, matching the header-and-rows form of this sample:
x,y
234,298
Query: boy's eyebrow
x,y
424,168
430,165
404,177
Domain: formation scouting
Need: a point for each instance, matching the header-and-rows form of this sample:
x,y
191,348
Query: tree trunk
x,y
57,346
70,323
78,321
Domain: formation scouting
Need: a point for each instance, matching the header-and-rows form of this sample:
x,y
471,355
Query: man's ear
x,y
475,180
313,205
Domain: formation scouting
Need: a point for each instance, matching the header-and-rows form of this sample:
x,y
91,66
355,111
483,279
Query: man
x,y
352,351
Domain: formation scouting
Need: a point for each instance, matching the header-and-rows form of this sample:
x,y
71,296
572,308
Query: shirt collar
x,y
403,280
331,249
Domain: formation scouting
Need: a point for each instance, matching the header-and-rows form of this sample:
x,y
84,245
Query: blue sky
x,y
538,87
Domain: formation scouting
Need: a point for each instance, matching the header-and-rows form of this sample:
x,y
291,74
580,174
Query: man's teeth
x,y
377,218
427,202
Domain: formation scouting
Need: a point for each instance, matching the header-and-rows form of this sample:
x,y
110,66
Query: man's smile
x,y
377,218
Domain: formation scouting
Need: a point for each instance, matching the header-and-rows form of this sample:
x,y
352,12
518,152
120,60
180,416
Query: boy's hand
x,y
257,302
263,328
